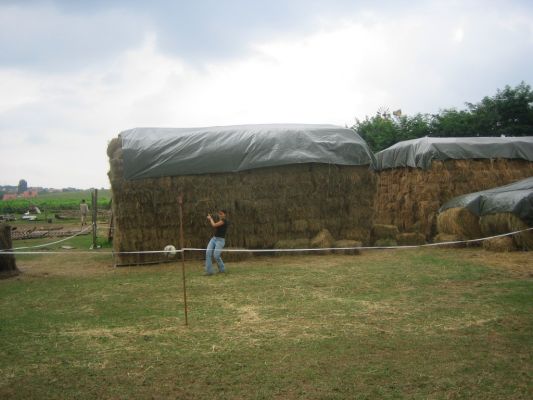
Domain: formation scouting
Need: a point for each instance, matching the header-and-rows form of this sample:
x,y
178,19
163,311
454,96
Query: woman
x,y
217,242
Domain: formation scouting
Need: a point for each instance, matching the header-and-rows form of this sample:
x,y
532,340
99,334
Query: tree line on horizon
x,y
508,113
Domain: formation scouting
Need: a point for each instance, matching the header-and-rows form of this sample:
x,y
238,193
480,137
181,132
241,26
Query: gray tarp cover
x,y
418,153
155,152
516,198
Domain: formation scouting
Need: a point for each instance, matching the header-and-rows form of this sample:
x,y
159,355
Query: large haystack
x,y
294,199
416,177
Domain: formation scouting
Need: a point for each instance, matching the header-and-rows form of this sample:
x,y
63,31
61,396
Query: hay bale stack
x,y
265,206
459,221
501,245
410,197
497,224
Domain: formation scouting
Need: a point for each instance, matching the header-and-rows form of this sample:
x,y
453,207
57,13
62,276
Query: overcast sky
x,y
73,74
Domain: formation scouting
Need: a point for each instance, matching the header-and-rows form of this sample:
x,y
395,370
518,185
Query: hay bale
x,y
385,243
497,224
459,221
410,239
500,244
410,197
448,237
347,243
322,240
382,231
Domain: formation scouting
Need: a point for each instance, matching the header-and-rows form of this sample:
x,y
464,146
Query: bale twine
x,y
459,221
410,197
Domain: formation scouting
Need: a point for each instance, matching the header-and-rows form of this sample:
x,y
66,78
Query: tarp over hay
x,y
294,198
515,198
417,177
491,212
155,152
420,153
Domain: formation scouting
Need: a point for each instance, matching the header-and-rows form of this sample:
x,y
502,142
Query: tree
x,y
509,112
23,186
382,131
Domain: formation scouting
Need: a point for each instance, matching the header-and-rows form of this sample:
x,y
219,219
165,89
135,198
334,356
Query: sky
x,y
74,74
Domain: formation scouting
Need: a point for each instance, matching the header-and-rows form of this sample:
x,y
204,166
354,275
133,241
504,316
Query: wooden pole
x,y
8,265
182,240
94,197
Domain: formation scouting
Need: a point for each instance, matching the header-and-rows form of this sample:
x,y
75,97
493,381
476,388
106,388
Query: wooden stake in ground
x,y
94,198
8,265
180,202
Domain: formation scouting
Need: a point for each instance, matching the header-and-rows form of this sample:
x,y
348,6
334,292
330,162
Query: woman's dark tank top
x,y
220,231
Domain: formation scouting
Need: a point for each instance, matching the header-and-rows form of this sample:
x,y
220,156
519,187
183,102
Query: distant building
x,y
30,193
9,196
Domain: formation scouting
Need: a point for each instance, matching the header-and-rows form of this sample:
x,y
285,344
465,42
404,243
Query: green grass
x,y
408,324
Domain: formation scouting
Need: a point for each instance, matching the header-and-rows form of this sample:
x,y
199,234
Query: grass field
x,y
434,323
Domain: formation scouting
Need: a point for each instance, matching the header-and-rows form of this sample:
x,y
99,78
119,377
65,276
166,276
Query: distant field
x,y
53,202
417,324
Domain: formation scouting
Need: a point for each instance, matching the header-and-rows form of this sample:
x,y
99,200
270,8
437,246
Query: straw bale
x,y
497,224
382,231
410,197
385,242
448,237
357,234
265,206
347,243
322,240
410,239
500,244
459,221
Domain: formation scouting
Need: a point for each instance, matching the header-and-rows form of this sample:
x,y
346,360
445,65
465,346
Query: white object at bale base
x,y
170,251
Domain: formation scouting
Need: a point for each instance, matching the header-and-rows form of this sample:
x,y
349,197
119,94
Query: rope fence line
x,y
179,251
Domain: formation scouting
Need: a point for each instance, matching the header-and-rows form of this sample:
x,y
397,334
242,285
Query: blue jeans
x,y
215,247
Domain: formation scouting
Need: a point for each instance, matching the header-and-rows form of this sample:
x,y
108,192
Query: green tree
x,y
378,131
509,112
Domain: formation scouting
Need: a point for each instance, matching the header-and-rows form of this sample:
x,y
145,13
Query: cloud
x,y
56,124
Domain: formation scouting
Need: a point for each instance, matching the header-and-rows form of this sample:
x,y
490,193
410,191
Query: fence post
x,y
94,198
8,265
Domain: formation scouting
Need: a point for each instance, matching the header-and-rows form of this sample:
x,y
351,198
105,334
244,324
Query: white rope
x,y
10,251
47,244
366,247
